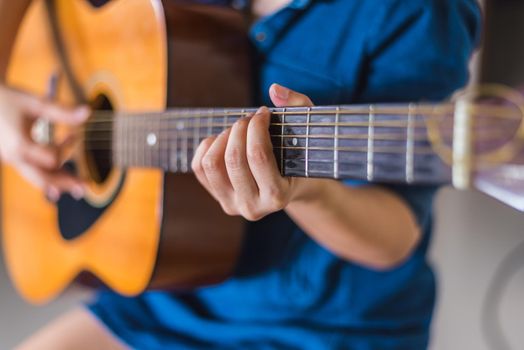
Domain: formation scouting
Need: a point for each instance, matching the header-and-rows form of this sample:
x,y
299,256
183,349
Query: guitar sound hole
x,y
99,140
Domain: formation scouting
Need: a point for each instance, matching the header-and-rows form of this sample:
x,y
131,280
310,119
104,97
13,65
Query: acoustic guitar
x,y
145,222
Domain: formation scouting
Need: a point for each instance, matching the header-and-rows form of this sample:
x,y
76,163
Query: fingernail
x,y
53,194
261,111
82,112
281,92
77,192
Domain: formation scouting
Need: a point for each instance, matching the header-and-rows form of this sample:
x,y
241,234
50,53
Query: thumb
x,y
284,97
55,113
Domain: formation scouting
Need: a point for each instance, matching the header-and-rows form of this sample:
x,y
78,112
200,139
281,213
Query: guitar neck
x,y
381,143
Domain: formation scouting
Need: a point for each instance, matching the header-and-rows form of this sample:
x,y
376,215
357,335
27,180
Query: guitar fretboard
x,y
373,143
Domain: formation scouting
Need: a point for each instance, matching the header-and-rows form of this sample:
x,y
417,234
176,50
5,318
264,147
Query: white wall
x,y
473,234
18,319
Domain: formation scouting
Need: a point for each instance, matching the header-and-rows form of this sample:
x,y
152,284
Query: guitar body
x,y
140,228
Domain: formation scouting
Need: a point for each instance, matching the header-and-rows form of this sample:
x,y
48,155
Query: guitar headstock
x,y
485,148
500,156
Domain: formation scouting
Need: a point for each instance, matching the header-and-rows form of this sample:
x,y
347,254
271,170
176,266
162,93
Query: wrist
x,y
307,190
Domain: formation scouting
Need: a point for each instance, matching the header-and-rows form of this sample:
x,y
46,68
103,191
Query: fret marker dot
x,y
295,141
180,126
151,139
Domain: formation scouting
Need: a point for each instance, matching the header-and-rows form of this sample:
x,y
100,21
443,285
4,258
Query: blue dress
x,y
289,292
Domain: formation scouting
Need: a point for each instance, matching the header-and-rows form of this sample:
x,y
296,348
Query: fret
x,y
196,135
163,148
370,148
137,161
146,139
336,142
185,149
177,127
127,143
308,121
210,125
143,152
126,150
137,155
282,133
242,113
152,140
141,144
180,147
173,146
117,139
134,143
225,120
410,146
153,143
140,147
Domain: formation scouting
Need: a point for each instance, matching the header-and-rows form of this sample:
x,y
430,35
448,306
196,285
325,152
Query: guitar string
x,y
186,119
148,118
139,160
187,124
209,113
351,173
420,111
188,135
209,126
210,130
386,150
165,135
133,152
363,123
137,152
165,145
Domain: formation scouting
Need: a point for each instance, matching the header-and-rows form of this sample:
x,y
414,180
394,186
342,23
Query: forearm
x,y
369,225
11,14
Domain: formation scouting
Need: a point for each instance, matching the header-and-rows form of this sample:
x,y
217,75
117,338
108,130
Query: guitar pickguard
x,y
75,217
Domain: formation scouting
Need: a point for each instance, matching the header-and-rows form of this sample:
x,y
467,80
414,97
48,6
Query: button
x,y
260,36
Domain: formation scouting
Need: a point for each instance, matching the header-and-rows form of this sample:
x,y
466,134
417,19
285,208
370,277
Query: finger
x,y
55,182
216,173
237,166
66,147
41,156
52,112
196,163
48,157
262,161
69,139
284,97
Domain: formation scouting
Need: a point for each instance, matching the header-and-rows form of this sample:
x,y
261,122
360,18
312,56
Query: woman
x,y
326,264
